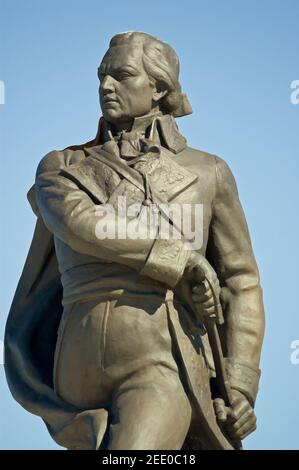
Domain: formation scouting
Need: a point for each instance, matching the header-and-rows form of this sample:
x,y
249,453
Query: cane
x,y
210,324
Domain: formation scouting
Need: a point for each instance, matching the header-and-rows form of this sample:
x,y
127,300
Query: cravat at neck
x,y
129,144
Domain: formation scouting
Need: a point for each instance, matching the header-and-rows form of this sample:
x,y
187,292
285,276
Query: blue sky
x,y
238,59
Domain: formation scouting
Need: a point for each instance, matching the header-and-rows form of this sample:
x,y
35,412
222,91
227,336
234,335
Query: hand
x,y
194,288
203,299
198,269
238,421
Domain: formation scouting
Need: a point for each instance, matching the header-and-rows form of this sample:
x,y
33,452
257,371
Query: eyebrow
x,y
127,66
103,68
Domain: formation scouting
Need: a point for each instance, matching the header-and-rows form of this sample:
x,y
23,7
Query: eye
x,y
123,75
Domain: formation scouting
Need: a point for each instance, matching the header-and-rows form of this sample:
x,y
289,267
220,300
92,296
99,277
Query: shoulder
x,y
209,167
225,180
58,159
205,162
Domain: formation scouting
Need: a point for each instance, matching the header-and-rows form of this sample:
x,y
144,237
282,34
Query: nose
x,y
107,85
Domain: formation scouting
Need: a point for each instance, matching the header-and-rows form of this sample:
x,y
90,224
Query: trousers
x,y
118,355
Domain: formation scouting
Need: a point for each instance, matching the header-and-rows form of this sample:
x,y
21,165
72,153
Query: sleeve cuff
x,y
243,378
166,261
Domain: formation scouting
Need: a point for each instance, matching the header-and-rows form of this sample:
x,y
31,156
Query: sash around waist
x,y
107,282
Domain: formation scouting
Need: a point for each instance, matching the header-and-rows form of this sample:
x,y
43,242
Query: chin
x,y
115,118
110,114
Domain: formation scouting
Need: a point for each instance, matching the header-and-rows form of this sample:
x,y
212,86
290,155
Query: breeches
x,y
119,355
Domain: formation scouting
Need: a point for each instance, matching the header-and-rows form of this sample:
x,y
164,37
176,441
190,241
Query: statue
x,y
139,341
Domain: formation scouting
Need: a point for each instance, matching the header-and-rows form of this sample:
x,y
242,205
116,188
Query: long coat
x,y
180,175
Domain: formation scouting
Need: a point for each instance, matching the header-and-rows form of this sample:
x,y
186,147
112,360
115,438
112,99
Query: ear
x,y
157,95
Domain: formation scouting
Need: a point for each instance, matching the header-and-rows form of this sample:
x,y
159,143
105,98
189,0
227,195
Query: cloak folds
x,y
30,339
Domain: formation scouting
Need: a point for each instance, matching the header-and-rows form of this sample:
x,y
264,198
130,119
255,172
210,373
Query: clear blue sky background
x,y
238,59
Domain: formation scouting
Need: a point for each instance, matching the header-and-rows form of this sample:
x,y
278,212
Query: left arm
x,y
230,253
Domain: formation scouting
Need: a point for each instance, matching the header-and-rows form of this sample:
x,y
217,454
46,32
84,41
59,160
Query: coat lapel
x,y
95,178
166,177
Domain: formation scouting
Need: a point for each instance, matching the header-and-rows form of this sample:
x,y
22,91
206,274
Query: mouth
x,y
109,99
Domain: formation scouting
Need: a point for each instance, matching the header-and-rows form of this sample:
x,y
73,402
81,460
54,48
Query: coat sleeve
x,y
71,215
230,252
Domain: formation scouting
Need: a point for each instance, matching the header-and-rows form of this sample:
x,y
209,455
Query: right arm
x,y
70,214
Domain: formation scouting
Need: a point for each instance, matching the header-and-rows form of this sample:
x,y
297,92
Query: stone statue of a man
x,y
106,337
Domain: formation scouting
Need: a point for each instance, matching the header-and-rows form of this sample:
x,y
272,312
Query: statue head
x,y
139,74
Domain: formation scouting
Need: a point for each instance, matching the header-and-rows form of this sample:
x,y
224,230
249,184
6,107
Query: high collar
x,y
158,127
142,123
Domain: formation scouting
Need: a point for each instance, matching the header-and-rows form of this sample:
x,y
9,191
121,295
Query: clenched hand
x,y
238,421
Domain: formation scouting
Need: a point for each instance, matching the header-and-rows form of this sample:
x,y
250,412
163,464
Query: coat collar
x,y
160,128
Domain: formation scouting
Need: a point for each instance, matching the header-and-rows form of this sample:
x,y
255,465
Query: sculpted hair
x,y
162,66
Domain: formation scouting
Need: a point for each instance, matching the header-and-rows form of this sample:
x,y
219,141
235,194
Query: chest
x,y
184,190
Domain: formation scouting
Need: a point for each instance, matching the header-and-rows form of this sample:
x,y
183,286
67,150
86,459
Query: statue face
x,y
125,89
